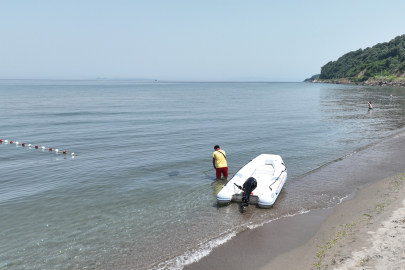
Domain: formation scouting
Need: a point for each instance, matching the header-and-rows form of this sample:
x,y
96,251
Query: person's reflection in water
x,y
369,112
217,186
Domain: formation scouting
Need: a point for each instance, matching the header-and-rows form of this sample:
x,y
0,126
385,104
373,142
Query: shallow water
x,y
140,193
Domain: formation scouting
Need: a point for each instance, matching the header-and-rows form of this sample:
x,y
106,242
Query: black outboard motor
x,y
249,185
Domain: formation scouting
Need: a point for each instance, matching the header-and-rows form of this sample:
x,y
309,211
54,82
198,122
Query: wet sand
x,y
352,235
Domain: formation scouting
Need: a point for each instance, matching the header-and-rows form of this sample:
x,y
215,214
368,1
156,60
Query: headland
x,y
391,82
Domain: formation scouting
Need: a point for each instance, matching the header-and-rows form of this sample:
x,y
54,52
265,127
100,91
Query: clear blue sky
x,y
188,40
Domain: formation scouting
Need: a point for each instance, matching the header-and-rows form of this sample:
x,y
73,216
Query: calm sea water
x,y
141,194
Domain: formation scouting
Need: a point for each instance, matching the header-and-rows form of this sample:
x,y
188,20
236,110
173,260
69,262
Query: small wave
x,y
348,155
399,135
195,254
253,226
341,199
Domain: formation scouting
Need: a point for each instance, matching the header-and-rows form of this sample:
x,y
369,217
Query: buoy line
x,y
56,151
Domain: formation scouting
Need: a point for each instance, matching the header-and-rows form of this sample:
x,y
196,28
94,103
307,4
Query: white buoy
x,y
56,150
29,145
6,141
73,154
16,143
43,147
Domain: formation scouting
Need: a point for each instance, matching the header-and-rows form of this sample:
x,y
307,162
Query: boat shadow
x,y
280,199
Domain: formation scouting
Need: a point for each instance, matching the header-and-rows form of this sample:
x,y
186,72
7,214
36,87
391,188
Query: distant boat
x,y
258,182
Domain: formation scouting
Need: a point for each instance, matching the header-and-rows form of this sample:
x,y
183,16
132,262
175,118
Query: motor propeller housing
x,y
249,185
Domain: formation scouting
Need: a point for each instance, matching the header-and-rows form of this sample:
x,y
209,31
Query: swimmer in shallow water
x,y
370,106
391,96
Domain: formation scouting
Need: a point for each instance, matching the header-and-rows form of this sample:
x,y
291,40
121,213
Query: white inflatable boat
x,y
258,182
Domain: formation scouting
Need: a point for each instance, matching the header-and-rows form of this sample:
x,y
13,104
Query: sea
x,y
139,192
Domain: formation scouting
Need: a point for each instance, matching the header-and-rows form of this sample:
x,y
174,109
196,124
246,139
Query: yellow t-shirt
x,y
220,159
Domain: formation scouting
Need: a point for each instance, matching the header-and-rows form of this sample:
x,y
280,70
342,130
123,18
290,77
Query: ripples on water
x,y
138,194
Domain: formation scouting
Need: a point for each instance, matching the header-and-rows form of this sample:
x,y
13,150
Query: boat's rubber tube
x,y
224,200
262,205
225,195
269,198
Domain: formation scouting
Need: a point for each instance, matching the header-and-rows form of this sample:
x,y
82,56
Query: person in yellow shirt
x,y
219,162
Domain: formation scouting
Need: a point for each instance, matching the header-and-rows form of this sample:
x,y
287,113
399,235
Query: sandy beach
x,y
365,231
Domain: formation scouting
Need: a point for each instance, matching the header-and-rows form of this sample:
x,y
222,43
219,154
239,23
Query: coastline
x,y
355,233
369,82
365,232
294,242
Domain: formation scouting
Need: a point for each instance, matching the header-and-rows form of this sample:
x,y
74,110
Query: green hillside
x,y
384,59
312,78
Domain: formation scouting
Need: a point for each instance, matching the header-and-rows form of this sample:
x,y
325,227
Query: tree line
x,y
384,59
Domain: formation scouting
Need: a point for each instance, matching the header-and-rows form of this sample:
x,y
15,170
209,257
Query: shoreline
x,y
369,82
355,235
291,242
341,237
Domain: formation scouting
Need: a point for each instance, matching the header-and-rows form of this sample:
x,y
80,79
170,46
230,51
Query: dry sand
x,y
367,232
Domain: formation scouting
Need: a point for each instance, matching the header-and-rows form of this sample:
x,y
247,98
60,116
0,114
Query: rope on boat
x,y
278,176
56,151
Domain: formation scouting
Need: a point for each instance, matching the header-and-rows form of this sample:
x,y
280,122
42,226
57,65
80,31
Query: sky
x,y
221,40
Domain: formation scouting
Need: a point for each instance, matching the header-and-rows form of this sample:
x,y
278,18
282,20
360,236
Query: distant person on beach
x,y
219,162
370,106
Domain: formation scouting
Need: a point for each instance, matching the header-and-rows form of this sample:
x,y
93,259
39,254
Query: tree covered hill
x,y
384,59
314,77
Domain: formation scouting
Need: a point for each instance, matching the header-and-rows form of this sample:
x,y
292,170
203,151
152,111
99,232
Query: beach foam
x,y
195,254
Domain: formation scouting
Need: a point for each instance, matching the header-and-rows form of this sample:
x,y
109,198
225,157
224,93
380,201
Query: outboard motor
x,y
249,185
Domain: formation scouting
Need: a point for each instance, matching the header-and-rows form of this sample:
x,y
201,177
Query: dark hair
x,y
216,146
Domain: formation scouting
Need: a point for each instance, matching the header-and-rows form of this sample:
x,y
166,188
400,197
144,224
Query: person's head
x,y
369,102
216,147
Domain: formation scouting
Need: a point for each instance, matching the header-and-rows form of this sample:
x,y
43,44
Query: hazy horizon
x,y
188,41
156,80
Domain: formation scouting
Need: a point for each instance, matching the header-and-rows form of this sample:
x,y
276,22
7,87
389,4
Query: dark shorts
x,y
223,170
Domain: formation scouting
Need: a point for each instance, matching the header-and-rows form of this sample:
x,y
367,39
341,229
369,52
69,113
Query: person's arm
x,y
213,162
